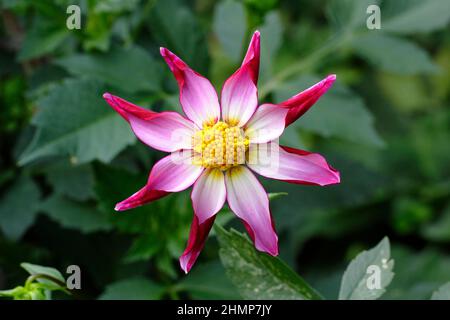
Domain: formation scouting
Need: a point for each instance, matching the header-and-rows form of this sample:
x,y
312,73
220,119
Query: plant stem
x,y
35,277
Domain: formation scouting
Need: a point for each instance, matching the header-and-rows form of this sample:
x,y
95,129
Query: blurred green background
x,y
67,158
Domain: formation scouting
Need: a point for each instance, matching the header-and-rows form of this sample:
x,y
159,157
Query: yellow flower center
x,y
220,146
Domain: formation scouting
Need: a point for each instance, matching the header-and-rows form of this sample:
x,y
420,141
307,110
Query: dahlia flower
x,y
218,147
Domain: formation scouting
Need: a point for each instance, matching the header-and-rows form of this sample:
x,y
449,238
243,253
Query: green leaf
x,y
427,270
76,182
348,14
16,214
339,113
393,54
417,16
443,293
17,292
34,269
73,120
137,288
356,278
230,25
42,39
130,70
208,281
258,275
74,215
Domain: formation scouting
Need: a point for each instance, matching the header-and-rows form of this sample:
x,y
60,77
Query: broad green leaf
x,y
356,281
393,54
443,293
257,275
74,215
338,113
16,213
348,14
73,120
230,25
43,38
137,288
414,16
131,69
76,182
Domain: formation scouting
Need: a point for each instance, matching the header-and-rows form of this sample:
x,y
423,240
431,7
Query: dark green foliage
x,y
67,158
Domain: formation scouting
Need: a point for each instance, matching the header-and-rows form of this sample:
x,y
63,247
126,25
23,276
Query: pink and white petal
x,y
208,194
249,201
175,172
197,237
165,131
266,124
197,95
239,98
301,102
172,173
291,165
168,132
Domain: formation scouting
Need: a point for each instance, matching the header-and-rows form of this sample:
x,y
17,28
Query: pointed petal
x,y
143,196
301,102
208,194
252,56
197,95
266,124
291,165
248,200
172,173
125,108
197,237
239,97
165,131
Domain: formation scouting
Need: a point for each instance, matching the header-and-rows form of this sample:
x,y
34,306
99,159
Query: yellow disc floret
x,y
220,146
